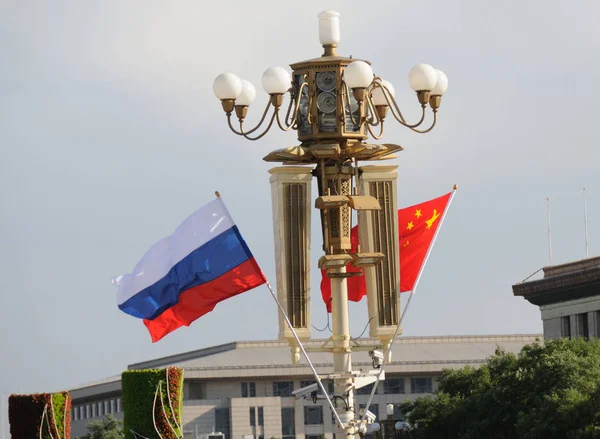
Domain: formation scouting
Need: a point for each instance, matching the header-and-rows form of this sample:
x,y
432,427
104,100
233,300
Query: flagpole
x,y
412,293
549,233
287,320
314,371
587,254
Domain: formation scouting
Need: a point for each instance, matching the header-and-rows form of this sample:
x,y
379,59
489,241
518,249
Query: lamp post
x,y
335,103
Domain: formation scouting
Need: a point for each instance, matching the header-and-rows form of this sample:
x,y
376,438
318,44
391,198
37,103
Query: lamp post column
x,y
342,352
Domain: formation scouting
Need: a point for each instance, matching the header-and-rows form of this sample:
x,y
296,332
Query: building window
x,y
106,407
94,413
118,404
421,385
393,385
87,411
313,415
312,436
330,387
261,417
288,423
252,417
81,414
74,414
100,409
248,390
197,390
307,383
112,405
583,329
283,388
366,390
565,326
222,422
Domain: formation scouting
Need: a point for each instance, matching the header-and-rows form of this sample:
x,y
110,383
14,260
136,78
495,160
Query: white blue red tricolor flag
x,y
184,276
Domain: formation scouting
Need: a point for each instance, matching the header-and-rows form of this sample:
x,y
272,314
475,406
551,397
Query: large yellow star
x,y
409,226
418,213
433,218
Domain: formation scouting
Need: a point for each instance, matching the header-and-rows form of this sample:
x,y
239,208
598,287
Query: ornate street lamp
x,y
334,104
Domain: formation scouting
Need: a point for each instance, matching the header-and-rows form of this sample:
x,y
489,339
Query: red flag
x,y
417,226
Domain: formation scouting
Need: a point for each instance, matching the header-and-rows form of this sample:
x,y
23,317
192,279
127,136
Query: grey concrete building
x,y
568,297
244,388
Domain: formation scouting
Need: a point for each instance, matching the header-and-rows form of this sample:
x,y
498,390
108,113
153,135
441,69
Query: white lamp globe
x,y
441,85
378,96
358,74
401,425
374,427
276,80
248,94
329,27
422,77
227,86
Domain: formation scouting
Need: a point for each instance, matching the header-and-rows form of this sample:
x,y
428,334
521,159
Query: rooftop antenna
x,y
587,252
549,232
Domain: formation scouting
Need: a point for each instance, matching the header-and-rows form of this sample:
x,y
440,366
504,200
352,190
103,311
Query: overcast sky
x,y
110,136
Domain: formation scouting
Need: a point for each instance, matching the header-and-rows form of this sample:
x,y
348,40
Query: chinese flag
x,y
417,225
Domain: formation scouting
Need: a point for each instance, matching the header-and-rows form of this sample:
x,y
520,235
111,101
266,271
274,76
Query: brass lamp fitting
x,y
435,101
423,96
277,100
381,111
330,50
228,105
359,94
241,111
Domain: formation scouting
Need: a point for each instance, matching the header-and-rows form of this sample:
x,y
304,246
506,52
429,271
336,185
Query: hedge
x,y
139,390
26,416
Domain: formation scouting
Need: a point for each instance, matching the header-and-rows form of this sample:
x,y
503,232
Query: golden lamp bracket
x,y
356,202
363,260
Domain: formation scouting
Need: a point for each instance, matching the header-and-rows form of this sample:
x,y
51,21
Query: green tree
x,y
108,428
547,391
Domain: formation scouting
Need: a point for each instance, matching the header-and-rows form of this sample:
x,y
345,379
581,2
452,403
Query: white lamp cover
x,y
358,74
390,409
378,97
248,94
329,27
276,80
422,77
227,86
441,85
374,427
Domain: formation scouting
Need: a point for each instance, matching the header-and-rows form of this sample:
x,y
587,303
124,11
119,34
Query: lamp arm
x,y
289,124
396,109
374,120
428,129
244,133
376,137
347,96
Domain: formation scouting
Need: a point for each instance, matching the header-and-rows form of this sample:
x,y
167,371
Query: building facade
x,y
245,388
568,297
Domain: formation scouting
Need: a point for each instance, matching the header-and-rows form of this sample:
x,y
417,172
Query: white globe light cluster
x,y
421,77
275,80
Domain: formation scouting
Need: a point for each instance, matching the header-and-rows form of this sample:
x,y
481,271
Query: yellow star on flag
x,y
418,213
409,226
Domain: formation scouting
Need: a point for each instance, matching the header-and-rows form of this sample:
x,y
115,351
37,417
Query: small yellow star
x,y
409,226
418,213
406,243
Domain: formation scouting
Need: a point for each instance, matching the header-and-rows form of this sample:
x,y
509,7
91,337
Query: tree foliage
x,y
108,428
547,391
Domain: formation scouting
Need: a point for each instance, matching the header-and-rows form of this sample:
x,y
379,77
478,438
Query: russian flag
x,y
184,276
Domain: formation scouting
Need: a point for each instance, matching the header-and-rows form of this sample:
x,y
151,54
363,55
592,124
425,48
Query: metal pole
x,y
342,357
549,233
587,254
314,371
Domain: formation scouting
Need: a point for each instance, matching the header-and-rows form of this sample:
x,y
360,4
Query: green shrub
x,y
139,390
26,415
